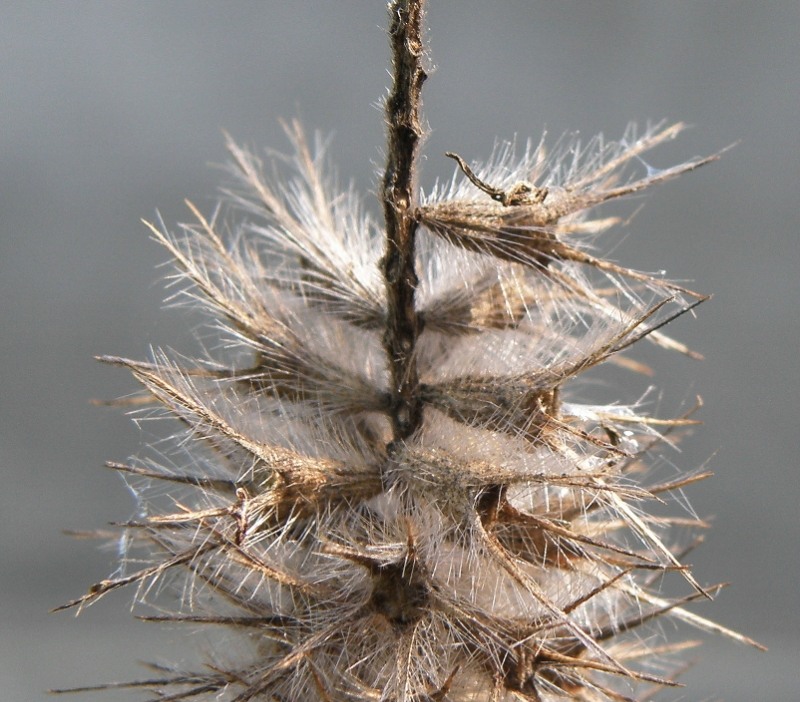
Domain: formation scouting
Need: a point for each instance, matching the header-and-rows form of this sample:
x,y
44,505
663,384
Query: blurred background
x,y
110,111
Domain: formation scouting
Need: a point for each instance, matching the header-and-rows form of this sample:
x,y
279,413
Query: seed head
x,y
381,483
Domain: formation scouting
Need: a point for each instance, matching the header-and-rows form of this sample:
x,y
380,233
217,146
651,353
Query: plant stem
x,y
404,133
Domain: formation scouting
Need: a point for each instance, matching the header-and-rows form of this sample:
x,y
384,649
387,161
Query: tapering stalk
x,y
404,133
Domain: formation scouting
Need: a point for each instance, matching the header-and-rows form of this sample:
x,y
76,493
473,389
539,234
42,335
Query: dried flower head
x,y
383,484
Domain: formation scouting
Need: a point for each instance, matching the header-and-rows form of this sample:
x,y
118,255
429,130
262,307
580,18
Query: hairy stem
x,y
404,133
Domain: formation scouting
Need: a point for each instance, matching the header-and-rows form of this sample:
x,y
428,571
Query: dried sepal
x,y
327,246
535,213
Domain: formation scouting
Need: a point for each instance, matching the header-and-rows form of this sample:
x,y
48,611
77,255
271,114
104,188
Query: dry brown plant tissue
x,y
381,483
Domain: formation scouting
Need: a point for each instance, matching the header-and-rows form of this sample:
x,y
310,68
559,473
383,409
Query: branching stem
x,y
404,133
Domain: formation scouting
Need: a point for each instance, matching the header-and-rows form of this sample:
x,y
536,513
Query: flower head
x,y
382,483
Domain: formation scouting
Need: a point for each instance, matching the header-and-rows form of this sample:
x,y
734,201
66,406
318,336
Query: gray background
x,y
110,110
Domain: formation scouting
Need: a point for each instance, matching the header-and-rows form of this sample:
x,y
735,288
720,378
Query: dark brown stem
x,y
404,133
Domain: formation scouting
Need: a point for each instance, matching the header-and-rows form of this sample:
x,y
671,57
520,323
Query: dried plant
x,y
383,485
